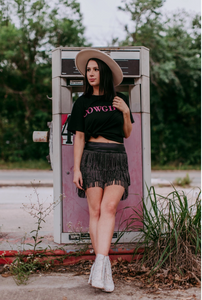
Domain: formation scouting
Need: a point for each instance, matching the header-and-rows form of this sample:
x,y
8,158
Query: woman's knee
x,y
94,197
109,208
95,212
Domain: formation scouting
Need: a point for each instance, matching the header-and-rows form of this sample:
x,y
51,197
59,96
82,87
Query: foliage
x,y
38,259
174,166
39,164
26,42
182,181
169,231
175,62
171,238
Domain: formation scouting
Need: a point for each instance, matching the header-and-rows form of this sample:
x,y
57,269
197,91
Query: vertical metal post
x,y
62,104
140,103
145,110
57,163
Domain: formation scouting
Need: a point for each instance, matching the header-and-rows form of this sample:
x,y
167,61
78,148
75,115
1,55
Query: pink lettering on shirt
x,y
104,108
97,108
112,108
88,111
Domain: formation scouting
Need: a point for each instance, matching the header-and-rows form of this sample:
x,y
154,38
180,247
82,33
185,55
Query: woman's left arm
x,y
121,105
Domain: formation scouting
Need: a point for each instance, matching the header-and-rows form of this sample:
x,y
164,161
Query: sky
x,y
103,21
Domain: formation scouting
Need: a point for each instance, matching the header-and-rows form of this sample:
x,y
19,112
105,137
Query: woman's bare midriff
x,y
101,139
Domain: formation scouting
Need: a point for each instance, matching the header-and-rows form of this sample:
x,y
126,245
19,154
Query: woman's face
x,y
93,73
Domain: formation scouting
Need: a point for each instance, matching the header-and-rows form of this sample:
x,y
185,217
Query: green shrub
x,y
170,232
182,181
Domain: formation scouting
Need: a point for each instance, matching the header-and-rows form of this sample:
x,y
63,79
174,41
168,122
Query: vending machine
x,y
71,214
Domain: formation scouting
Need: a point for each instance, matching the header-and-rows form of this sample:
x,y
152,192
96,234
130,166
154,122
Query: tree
x,y
26,42
175,62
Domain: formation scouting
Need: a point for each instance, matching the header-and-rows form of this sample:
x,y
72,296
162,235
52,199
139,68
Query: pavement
x,y
45,178
26,178
15,189
70,287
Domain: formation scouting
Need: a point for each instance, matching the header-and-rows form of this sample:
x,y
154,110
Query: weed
x,y
182,181
23,266
169,231
39,259
27,164
176,166
38,212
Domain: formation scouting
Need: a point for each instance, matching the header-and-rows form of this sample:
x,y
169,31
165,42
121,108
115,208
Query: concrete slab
x,y
68,287
16,223
162,177
26,177
13,218
44,177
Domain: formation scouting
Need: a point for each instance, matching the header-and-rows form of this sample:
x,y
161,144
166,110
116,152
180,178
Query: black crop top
x,y
95,116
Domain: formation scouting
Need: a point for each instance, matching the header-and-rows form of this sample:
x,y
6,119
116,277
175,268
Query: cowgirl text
x,y
99,109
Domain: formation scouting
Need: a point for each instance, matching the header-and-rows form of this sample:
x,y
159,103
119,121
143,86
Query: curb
x,y
10,184
69,257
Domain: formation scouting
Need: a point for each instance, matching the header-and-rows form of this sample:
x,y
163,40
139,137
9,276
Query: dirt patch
x,y
128,273
3,235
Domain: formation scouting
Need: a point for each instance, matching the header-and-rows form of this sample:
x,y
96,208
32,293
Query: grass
x,y
182,181
41,164
38,260
25,165
173,166
171,234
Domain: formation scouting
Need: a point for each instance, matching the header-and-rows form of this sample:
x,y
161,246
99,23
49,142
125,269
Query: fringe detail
x,y
100,169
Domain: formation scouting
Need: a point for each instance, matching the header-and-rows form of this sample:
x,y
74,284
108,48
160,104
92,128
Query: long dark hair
x,y
106,81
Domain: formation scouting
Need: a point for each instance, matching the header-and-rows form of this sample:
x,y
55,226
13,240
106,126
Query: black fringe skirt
x,y
104,164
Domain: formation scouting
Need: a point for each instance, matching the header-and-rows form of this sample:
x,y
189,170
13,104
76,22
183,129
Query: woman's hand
x,y
78,181
79,142
121,105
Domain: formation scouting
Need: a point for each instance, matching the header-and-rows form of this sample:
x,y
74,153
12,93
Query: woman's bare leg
x,y
94,198
105,228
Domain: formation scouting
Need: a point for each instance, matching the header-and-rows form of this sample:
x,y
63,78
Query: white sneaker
x,y
91,274
108,280
98,272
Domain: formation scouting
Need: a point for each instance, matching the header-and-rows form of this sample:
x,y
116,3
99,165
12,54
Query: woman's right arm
x,y
79,143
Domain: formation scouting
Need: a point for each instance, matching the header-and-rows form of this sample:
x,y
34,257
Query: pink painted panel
x,y
133,147
75,209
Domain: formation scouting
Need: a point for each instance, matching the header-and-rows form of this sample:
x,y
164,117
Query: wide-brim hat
x,y
84,55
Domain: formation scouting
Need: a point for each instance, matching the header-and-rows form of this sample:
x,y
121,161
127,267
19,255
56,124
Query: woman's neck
x,y
96,91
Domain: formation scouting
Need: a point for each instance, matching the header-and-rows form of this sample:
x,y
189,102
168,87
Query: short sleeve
x,y
76,122
127,102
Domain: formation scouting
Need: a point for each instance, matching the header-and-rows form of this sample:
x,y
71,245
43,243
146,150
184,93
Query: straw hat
x,y
84,55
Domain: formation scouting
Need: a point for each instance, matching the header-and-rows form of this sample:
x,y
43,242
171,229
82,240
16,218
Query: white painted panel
x,y
144,66
63,81
56,101
145,94
146,153
69,54
56,63
66,100
125,54
57,178
126,238
134,97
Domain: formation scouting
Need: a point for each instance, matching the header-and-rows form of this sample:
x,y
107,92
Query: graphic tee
x,y
96,116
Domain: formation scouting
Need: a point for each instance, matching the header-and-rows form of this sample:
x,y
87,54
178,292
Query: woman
x,y
101,118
